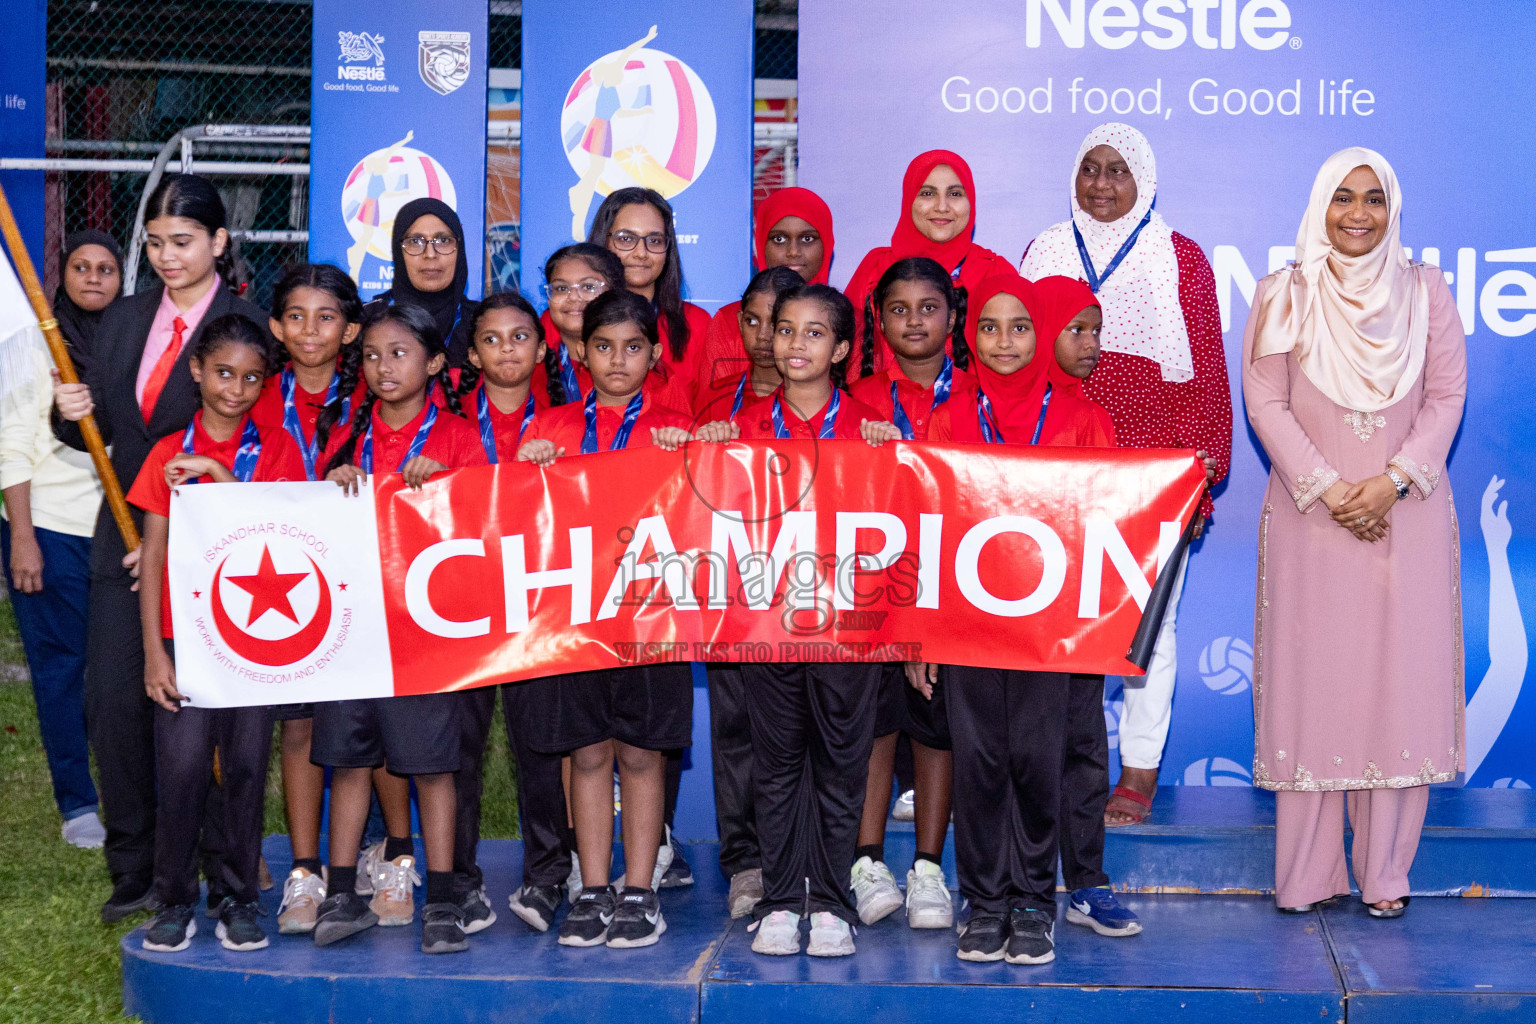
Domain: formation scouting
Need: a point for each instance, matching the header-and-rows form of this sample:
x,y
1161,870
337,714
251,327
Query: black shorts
x,y
647,706
927,721
890,705
414,735
291,712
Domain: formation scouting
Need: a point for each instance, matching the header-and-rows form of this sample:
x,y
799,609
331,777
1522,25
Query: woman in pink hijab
x,y
1354,376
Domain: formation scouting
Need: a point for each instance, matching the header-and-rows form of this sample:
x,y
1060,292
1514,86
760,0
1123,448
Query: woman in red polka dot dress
x,y
1162,376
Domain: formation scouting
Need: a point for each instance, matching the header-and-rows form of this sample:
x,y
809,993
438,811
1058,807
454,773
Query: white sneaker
x,y
906,807
367,867
874,890
778,934
573,880
830,935
928,901
85,831
302,895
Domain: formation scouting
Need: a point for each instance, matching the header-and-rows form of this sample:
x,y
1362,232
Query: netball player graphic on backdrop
x,y
597,138
1490,707
368,213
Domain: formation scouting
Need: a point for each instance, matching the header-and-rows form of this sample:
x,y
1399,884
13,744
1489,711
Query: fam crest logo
x,y
378,185
635,116
270,601
442,58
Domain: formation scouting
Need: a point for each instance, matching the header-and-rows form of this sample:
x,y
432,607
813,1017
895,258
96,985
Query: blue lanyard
x,y
621,439
986,420
246,456
828,422
1045,405
1096,281
568,379
988,423
417,443
741,392
310,449
941,388
488,433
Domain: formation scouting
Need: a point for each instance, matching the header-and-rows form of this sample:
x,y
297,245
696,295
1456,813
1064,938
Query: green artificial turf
x,y
58,962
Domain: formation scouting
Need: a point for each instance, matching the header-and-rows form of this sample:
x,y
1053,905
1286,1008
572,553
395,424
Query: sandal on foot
x,y
1388,913
1144,803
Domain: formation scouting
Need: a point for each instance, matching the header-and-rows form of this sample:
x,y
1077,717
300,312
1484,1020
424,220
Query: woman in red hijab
x,y
937,220
791,228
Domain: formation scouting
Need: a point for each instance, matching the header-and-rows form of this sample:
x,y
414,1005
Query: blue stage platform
x,y
1209,957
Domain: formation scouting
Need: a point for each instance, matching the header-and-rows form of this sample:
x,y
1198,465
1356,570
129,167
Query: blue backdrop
x,y
1242,102
606,105
22,121
397,112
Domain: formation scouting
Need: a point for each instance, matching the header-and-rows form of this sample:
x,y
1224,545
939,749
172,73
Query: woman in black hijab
x,y
431,270
90,279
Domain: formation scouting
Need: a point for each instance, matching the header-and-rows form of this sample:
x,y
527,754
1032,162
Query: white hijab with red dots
x,y
1142,315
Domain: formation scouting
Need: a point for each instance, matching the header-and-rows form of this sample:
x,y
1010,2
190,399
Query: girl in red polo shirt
x,y
574,275
632,715
396,429
230,360
812,723
315,316
921,313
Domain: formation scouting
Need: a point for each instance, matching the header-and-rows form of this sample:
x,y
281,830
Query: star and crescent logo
x,y
271,594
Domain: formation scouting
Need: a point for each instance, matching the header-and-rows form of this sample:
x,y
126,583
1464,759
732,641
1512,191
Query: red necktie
x,y
162,371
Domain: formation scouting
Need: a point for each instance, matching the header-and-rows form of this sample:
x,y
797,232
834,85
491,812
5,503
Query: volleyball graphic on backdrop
x,y
381,183
1216,771
1226,665
635,116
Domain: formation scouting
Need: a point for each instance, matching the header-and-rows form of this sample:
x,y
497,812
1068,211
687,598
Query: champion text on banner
x,y
781,551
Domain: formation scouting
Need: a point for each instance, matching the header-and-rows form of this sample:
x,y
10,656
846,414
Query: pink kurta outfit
x,y
1357,646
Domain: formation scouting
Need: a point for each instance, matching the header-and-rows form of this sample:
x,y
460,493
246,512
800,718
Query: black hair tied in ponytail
x,y
194,197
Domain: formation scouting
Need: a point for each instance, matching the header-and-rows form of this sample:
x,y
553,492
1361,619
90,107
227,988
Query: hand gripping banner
x,y
1027,558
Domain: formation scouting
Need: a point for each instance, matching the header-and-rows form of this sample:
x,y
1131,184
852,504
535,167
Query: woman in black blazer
x,y
131,369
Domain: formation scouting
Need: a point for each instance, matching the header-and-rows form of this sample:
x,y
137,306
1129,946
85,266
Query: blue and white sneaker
x,y
1100,910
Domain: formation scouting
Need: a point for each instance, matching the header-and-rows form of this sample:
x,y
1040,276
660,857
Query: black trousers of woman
x,y
1084,785
540,793
812,729
1009,731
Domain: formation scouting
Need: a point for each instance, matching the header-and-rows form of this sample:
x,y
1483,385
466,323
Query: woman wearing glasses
x,y
573,276
635,224
431,271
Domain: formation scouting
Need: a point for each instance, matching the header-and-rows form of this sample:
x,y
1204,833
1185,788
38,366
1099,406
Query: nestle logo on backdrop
x,y
357,48
1169,24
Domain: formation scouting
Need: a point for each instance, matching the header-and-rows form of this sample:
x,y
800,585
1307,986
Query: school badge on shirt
x,y
443,60
275,589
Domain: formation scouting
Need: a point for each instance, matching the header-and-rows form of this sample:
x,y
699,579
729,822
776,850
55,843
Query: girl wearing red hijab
x,y
792,228
1007,727
937,220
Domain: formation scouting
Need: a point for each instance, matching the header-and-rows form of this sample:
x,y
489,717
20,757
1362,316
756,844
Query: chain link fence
x,y
124,76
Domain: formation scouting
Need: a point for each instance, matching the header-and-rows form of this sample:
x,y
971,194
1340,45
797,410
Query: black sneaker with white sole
x,y
535,905
983,937
171,931
442,929
637,919
238,928
1031,937
342,915
475,911
587,923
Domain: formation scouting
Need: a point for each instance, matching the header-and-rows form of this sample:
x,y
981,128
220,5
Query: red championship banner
x,y
1014,557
